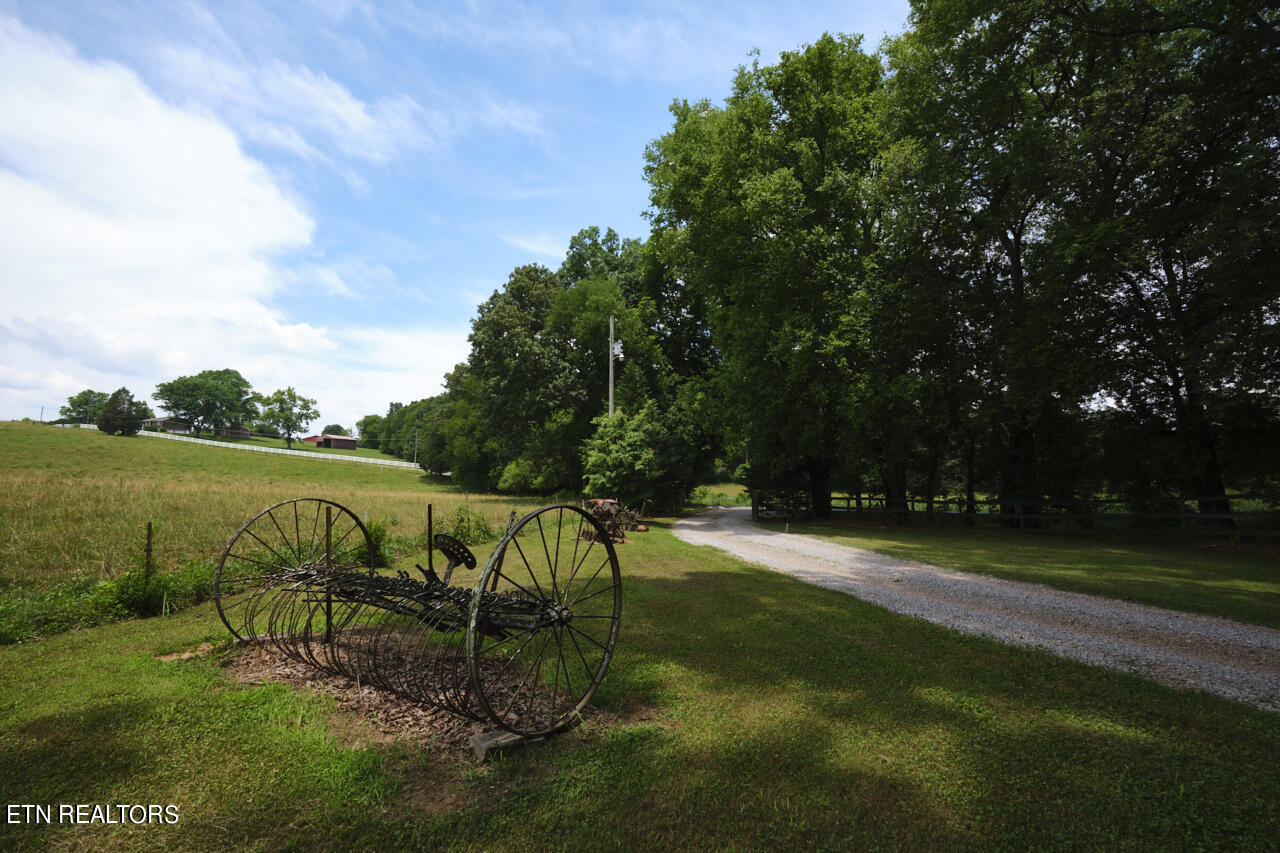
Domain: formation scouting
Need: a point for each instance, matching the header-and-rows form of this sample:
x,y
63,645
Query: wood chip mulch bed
x,y
385,714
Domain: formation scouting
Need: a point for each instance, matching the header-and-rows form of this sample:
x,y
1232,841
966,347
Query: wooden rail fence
x,y
1248,513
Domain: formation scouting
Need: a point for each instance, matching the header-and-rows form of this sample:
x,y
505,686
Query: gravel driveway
x,y
1240,662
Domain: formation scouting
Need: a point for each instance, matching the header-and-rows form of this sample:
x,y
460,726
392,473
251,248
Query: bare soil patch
x,y
198,652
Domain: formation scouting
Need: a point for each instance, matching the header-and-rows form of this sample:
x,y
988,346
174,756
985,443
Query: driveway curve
x,y
1240,662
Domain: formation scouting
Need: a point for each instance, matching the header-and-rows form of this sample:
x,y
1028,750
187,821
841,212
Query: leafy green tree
x,y
123,415
621,460
1117,179
289,412
650,457
369,428
209,399
334,429
1183,122
472,452
84,408
764,209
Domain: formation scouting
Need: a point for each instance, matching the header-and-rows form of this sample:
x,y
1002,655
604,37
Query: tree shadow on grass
x,y
74,756
1011,746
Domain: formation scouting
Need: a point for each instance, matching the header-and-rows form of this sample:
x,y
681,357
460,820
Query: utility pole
x,y
610,365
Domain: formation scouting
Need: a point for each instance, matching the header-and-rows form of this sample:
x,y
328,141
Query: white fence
x,y
306,454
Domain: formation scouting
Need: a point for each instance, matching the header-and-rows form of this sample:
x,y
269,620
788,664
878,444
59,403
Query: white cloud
x,y
297,109
380,366
544,244
141,243
689,44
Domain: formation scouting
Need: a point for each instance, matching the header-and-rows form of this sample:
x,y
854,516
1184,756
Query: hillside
x,y
78,501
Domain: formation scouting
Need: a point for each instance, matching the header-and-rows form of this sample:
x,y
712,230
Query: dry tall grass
x,y
76,501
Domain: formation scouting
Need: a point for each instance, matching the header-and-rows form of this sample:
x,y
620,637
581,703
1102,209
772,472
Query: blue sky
x,y
319,193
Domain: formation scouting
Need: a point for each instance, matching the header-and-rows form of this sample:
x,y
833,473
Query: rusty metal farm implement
x,y
525,647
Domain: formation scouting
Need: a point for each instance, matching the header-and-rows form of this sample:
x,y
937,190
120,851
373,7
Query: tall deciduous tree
x,y
209,399
764,208
984,91
369,428
85,407
1183,228
1119,185
289,412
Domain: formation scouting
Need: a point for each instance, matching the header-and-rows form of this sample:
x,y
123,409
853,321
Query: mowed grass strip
x,y
1215,579
78,501
298,444
744,709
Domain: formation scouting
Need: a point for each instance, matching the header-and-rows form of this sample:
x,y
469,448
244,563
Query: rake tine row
x,y
525,648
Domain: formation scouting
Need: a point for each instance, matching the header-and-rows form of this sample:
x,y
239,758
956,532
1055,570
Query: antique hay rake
x,y
526,647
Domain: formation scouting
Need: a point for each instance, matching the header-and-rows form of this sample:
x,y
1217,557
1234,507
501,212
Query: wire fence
x,y
305,454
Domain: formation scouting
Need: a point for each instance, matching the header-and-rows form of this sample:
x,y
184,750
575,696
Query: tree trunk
x,y
970,482
819,486
1204,467
1019,491
894,474
931,486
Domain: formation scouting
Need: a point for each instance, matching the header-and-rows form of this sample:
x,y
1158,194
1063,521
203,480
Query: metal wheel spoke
x,y
593,577
588,638
542,534
529,569
535,672
283,537
283,561
568,682
586,667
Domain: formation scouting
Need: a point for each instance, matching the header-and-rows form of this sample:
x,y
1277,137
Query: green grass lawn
x,y
744,709
1217,580
281,444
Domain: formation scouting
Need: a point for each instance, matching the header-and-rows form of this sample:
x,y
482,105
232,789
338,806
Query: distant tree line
x,y
209,400
1025,250
116,413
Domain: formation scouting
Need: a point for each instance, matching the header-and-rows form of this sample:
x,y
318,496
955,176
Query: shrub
x,y
84,602
470,527
383,545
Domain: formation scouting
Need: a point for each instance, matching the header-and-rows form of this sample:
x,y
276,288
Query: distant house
x,y
166,424
337,442
233,432
312,439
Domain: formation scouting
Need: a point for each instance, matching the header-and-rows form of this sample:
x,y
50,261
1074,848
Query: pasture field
x,y
76,502
743,709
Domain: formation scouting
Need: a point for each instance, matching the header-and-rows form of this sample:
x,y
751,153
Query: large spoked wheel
x,y
280,546
544,620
